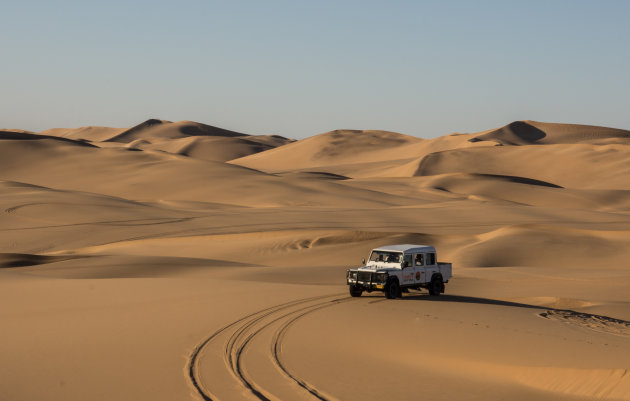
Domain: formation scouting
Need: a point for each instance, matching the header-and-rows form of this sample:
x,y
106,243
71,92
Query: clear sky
x,y
299,68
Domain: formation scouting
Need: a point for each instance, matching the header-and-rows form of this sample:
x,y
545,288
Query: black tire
x,y
355,291
392,290
436,286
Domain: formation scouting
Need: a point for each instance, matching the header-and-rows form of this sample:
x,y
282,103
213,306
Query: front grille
x,y
364,277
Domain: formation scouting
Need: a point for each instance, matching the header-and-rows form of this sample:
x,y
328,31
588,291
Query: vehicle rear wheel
x,y
392,290
436,286
355,291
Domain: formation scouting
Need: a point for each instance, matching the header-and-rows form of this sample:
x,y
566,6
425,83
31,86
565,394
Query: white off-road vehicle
x,y
397,268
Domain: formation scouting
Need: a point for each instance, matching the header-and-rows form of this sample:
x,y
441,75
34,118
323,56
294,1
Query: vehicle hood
x,y
380,267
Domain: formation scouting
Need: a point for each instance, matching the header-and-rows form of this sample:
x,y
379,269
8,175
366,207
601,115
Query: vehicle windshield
x,y
384,256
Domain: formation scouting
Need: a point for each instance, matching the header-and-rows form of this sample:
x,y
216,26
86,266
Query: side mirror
x,y
363,261
405,264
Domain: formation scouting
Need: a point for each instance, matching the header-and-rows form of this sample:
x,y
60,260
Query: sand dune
x,y
186,138
143,175
351,152
206,148
527,191
577,166
330,148
514,245
177,260
90,134
533,132
154,129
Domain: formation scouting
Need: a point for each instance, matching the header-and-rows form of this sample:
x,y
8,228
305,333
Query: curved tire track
x,y
229,346
278,338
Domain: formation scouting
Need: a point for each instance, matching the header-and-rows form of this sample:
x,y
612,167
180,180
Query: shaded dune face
x,y
516,133
9,260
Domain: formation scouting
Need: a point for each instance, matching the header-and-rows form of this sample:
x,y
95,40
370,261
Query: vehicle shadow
x,y
469,300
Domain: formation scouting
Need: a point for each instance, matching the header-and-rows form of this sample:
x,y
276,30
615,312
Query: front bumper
x,y
366,279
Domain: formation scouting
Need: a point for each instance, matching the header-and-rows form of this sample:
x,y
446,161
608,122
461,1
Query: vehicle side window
x,y
407,260
419,259
430,258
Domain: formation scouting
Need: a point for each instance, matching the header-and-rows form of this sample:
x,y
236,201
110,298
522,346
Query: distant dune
x,y
178,260
533,132
159,129
91,134
331,148
187,138
21,135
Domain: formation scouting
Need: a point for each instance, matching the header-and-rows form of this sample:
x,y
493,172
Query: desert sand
x,y
181,261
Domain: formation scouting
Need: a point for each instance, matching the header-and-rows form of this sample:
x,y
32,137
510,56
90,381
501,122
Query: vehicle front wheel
x,y
355,291
392,290
436,286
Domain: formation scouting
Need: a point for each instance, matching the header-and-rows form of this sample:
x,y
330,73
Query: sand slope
x,y
330,148
177,260
578,166
356,153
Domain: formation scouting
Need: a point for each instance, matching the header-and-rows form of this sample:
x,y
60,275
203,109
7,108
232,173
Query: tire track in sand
x,y
276,349
243,359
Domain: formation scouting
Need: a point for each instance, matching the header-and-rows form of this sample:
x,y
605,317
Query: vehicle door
x,y
418,264
431,266
408,271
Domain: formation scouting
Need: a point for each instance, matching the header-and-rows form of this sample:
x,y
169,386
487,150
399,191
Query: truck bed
x,y
446,269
